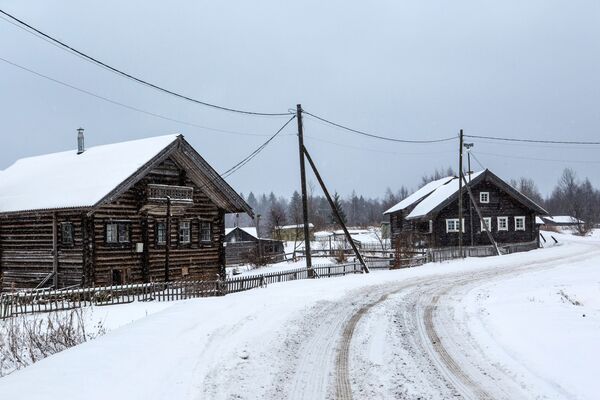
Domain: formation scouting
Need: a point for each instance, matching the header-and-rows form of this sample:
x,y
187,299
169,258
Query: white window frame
x,y
500,228
454,221
519,218
488,222
486,195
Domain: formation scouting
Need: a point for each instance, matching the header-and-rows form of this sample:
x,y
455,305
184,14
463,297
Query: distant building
x,y
242,246
562,221
432,213
293,232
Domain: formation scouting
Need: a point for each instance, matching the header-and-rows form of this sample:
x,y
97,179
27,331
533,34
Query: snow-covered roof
x,y
539,221
68,179
248,229
298,226
419,194
364,238
563,219
437,197
321,234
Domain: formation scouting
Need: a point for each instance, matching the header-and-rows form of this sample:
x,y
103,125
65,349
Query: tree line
x,y
571,196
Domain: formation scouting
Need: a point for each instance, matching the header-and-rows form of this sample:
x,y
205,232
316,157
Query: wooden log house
x,y
431,213
138,211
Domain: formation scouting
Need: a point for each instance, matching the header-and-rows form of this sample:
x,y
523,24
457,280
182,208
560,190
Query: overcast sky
x,y
411,70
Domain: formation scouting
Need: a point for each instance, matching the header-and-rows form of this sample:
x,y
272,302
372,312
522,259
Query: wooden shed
x,y
432,213
138,211
243,245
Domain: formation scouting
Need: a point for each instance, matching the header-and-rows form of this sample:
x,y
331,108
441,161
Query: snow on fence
x,y
44,300
449,253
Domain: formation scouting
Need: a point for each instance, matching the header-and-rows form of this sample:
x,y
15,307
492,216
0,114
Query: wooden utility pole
x,y
336,213
304,195
460,195
469,172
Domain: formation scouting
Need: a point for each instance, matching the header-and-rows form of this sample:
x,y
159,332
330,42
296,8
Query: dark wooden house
x,y
431,213
138,211
243,245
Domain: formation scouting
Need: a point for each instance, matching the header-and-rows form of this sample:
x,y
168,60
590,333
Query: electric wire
x,y
253,154
390,139
477,159
539,159
533,140
373,150
117,103
38,33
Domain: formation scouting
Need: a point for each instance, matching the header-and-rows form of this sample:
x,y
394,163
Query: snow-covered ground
x,y
500,327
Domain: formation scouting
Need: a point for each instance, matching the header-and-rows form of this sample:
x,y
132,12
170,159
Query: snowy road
x,y
426,332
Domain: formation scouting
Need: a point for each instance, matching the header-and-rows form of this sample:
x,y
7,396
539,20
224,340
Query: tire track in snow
x,y
433,344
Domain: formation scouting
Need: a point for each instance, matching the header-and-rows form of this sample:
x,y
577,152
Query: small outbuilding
x,y
243,245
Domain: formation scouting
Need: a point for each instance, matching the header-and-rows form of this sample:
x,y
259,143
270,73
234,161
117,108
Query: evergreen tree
x,y
338,205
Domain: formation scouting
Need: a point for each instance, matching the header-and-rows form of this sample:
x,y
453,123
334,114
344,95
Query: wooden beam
x,y
487,231
55,250
336,213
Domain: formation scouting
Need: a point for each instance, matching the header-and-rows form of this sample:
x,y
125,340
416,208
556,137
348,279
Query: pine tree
x,y
338,204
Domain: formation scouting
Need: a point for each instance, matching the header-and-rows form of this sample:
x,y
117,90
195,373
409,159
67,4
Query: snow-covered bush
x,y
26,339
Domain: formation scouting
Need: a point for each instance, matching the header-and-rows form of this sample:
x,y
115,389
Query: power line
x,y
540,159
260,148
477,159
390,139
373,150
117,103
533,140
38,33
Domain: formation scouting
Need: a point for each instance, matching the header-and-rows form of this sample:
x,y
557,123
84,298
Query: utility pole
x,y
468,147
460,195
304,195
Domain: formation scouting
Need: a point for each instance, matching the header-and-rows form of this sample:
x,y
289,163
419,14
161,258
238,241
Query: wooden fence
x,y
449,253
44,300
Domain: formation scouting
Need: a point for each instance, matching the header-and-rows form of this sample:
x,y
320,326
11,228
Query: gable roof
x,y
249,230
419,194
437,197
448,192
67,180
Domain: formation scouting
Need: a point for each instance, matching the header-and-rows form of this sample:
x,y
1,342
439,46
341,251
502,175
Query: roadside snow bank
x,y
546,323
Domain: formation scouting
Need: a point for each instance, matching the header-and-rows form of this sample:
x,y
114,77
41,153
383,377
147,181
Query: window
x,y
205,231
66,233
502,223
452,225
484,197
184,232
488,223
117,232
161,233
519,223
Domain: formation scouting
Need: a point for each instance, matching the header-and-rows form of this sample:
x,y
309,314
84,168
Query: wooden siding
x,y
26,240
26,246
501,204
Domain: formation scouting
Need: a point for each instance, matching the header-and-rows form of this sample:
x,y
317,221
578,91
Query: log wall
x,y
27,240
